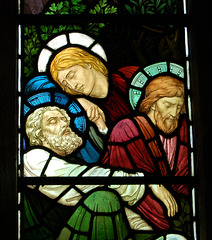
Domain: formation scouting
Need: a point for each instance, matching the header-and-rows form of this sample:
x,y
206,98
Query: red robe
x,y
134,144
117,103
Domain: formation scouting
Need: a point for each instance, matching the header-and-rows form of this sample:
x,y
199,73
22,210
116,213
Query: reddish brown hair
x,y
162,86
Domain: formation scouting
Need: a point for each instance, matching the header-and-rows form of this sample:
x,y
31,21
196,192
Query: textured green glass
x,y
103,7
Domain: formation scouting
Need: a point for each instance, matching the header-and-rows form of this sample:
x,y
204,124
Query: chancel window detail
x,y
105,127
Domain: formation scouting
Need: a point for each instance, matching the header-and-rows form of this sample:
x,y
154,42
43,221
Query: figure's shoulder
x,y
128,71
144,121
124,130
36,154
146,126
124,74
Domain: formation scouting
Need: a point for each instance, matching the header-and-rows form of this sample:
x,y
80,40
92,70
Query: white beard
x,y
66,143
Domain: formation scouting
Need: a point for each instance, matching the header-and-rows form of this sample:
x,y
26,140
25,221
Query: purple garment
x,y
34,6
169,145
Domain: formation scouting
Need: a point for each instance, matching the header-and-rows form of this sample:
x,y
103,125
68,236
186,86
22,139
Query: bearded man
x,y
49,127
154,142
49,131
52,140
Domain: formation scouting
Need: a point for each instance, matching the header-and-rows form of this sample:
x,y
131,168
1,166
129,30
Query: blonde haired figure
x,y
85,76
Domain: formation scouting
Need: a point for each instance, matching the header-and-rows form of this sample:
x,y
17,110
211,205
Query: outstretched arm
x,y
35,160
166,197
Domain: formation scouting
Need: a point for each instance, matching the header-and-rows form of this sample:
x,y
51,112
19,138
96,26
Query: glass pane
x,y
103,7
138,45
106,141
102,215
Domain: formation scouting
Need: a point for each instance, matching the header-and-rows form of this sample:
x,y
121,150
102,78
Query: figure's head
x,y
71,69
164,102
49,127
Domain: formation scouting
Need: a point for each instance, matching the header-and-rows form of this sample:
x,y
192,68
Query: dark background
x,y
201,69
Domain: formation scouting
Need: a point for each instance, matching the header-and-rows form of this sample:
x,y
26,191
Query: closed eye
x,y
70,74
64,119
168,105
52,121
179,107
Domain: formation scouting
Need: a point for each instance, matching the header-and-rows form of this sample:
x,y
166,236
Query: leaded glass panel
x,y
105,121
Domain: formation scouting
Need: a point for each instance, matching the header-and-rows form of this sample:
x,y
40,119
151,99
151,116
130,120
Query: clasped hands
x,y
95,114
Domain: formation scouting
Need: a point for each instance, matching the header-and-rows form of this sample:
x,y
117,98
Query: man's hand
x,y
166,197
94,113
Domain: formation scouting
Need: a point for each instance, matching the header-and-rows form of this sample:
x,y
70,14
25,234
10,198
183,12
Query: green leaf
x,y
134,2
181,219
134,10
142,10
187,218
140,3
177,223
98,9
44,28
102,4
113,10
103,8
161,6
34,51
53,7
129,9
178,229
92,11
157,3
182,203
44,37
187,209
60,6
28,71
77,27
101,25
66,3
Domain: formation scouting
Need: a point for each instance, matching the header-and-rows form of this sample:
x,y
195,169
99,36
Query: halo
x,y
39,92
144,76
75,39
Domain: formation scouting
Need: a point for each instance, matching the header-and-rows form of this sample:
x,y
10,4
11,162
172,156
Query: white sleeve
x,y
129,193
34,162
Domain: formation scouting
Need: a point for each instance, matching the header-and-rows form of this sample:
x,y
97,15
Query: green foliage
x,y
102,7
50,30
67,7
182,223
31,49
76,7
152,6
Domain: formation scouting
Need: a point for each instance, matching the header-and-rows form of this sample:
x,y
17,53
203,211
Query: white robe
x,y
35,160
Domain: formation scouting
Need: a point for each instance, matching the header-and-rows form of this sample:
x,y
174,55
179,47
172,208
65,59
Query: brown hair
x,y
75,56
162,86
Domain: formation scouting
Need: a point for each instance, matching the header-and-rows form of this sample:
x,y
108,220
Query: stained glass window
x,y
105,120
